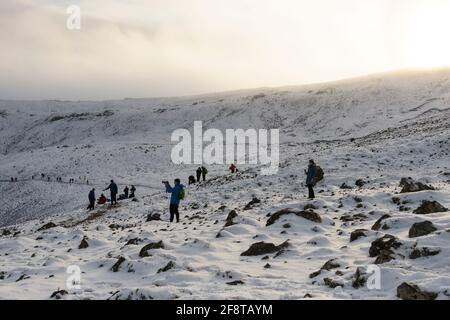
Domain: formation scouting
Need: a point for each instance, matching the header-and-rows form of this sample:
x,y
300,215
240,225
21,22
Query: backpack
x,y
182,194
319,174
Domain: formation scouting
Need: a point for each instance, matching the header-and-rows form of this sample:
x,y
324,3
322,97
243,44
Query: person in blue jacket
x,y
175,198
311,178
113,189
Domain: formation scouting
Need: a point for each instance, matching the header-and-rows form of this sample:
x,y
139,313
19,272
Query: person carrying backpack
x,y
91,197
113,189
311,178
199,173
125,192
132,191
177,194
204,173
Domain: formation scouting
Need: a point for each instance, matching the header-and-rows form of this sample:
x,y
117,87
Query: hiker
x,y
113,189
125,191
102,199
12,179
132,191
177,194
199,173
91,197
191,180
48,179
311,178
204,173
232,168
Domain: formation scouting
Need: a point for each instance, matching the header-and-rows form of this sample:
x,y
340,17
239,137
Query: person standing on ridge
x,y
199,173
125,191
113,189
204,173
177,194
91,197
132,191
311,178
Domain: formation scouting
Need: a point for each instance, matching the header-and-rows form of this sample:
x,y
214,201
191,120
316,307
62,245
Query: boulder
x,y
230,217
306,214
360,183
83,244
153,245
410,291
409,185
419,229
235,283
423,252
153,217
377,224
168,266
428,207
359,278
332,283
358,233
329,265
58,294
116,266
47,226
383,247
250,205
260,248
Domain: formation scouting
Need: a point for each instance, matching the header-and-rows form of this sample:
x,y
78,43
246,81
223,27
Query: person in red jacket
x,y
232,168
102,199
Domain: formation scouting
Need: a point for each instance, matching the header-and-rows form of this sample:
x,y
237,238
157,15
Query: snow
x,y
378,129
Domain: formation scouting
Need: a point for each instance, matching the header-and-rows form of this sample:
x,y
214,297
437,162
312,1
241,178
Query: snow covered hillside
x,y
367,134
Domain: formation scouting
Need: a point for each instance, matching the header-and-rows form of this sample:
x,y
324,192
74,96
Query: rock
x,y
357,199
409,185
359,279
329,265
428,207
377,224
47,226
309,215
116,266
267,266
360,183
345,186
6,232
410,291
332,284
58,294
154,245
260,248
153,217
396,200
423,252
230,217
83,244
421,229
358,233
309,206
382,248
354,217
235,283
250,205
307,295
133,241
286,225
168,266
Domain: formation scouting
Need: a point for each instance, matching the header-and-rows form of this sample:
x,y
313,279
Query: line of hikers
x,y
128,193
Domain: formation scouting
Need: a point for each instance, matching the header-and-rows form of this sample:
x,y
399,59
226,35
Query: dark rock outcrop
x,y
47,226
410,291
409,185
250,205
154,245
329,265
116,266
306,214
153,217
428,207
168,266
377,225
358,233
423,252
83,244
260,248
419,229
230,217
383,247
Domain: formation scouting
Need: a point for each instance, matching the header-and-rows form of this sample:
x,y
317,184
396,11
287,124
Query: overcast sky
x,y
144,48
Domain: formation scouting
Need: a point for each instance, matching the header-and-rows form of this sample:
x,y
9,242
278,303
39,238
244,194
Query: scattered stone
x,y
153,217
133,241
260,248
58,294
377,224
396,200
307,296
47,226
329,265
116,266
235,283
267,266
382,248
250,205
286,225
83,244
309,215
360,183
168,266
230,217
6,232
410,291
358,233
332,283
309,206
345,186
357,199
428,207
359,278
423,252
154,245
409,185
419,229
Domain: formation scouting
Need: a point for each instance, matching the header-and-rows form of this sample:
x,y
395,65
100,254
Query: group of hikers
x,y
313,174
128,193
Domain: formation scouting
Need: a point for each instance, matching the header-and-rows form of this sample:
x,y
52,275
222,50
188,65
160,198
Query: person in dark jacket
x,y
191,180
204,172
125,191
113,189
174,198
199,173
132,191
310,178
91,197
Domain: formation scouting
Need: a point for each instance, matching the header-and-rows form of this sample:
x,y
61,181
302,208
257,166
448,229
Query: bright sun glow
x,y
426,42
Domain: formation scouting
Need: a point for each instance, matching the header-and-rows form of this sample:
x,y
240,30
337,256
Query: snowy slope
x,y
379,128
